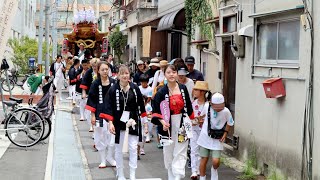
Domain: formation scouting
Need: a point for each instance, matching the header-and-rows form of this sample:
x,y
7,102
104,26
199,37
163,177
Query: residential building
x,y
275,37
172,23
133,16
23,23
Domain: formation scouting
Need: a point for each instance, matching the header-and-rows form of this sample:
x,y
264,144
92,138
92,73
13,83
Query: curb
x,y
82,153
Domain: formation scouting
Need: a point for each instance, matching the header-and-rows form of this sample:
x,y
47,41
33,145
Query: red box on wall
x,y
274,88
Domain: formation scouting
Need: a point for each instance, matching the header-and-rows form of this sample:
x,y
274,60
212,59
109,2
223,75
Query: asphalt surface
x,y
73,153
150,166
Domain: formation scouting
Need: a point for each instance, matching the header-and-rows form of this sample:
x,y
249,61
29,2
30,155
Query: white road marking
x,y
4,142
48,173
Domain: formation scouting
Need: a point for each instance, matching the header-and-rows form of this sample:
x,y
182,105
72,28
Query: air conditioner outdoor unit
x,y
238,45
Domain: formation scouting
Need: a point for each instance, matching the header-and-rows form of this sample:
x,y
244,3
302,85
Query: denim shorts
x,y
204,152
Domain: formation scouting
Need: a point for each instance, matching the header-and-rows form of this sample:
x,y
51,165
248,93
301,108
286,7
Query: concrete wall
x,y
316,95
271,127
168,6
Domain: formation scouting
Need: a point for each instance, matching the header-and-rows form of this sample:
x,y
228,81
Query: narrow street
x,y
68,154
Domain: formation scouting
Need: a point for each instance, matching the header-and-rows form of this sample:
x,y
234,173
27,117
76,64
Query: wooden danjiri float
x,y
85,32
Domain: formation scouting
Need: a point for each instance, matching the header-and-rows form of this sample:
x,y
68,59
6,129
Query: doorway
x,y
229,81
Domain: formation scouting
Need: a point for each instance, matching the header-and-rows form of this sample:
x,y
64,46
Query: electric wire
x,y
308,127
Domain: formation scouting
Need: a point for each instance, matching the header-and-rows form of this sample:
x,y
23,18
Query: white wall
x,y
273,127
316,99
167,6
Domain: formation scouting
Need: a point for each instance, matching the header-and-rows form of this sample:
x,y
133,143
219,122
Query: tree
x,y
118,41
23,49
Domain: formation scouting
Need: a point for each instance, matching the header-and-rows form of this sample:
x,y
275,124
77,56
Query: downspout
x,y
254,40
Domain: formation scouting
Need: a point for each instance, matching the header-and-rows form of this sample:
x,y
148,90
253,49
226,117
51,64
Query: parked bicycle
x,y
24,126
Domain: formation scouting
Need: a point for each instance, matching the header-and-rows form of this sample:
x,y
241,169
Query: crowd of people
x,y
170,97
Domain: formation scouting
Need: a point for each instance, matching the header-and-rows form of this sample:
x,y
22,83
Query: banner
x,y
7,13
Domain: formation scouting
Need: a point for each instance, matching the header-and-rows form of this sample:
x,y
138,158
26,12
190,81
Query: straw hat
x,y
201,85
163,62
154,62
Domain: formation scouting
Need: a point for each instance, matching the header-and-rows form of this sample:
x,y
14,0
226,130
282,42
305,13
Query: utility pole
x,y
47,37
54,29
40,36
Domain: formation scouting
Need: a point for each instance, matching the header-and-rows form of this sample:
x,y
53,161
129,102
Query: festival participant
x,y
73,75
141,70
182,78
154,67
82,51
178,127
146,92
81,102
214,131
95,104
159,75
124,107
87,80
57,70
200,106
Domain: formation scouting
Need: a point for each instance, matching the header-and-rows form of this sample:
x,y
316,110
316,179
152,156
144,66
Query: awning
x,y
167,21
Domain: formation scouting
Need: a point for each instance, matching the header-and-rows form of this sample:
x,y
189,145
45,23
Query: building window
x,y
229,24
278,42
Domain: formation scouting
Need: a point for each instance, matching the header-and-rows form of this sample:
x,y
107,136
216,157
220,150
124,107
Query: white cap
x,y
217,98
140,62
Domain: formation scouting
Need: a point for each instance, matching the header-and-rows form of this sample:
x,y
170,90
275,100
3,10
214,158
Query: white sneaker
x,y
68,98
194,175
102,165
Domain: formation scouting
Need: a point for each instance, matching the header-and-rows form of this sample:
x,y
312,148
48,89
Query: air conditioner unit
x,y
238,45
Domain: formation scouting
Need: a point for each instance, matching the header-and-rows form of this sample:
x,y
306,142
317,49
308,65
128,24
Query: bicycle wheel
x,y
22,124
47,130
5,85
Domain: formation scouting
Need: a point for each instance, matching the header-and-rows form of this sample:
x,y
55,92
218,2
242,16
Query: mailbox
x,y
274,88
32,64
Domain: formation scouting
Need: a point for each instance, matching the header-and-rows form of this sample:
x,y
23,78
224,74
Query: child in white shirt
x,y
146,92
200,107
210,140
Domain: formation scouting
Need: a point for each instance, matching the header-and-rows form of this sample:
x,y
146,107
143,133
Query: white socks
x,y
214,174
170,174
120,174
132,173
102,154
110,156
202,177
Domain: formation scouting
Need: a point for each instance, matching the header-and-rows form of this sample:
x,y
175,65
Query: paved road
x,y
150,166
68,154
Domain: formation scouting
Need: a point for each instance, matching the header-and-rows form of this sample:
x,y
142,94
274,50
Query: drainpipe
x,y
254,39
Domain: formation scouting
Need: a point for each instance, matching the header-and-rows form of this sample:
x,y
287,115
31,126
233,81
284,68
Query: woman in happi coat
x,y
178,128
102,138
87,80
125,109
